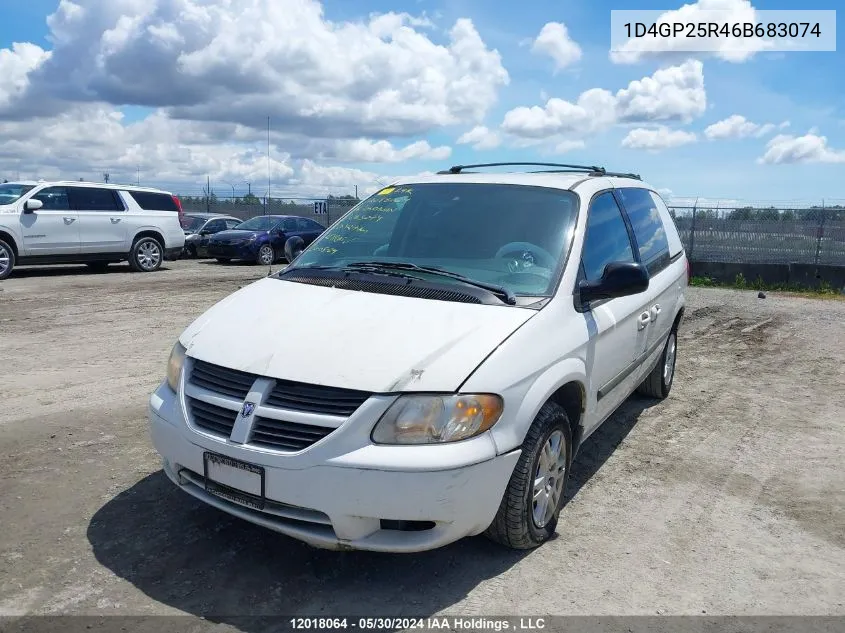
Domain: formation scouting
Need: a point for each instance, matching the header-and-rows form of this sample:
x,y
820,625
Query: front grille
x,y
288,436
212,418
296,396
223,380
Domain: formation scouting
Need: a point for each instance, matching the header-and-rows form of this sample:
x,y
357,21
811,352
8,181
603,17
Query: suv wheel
x,y
530,507
146,255
266,255
7,260
659,381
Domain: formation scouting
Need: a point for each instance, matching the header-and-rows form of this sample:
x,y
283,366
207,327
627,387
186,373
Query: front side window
x,y
513,236
11,192
192,223
215,226
53,199
607,238
648,226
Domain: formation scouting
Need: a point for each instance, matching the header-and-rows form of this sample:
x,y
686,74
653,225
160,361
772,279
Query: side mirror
x,y
32,205
293,247
620,279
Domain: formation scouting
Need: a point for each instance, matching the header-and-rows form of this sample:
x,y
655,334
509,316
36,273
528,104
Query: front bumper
x,y
233,251
364,503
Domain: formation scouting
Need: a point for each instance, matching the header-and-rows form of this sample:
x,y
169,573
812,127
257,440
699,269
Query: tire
x,y
658,384
191,252
266,255
98,266
7,259
516,524
146,255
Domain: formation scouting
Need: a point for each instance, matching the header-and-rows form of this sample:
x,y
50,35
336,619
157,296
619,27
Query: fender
x,y
509,433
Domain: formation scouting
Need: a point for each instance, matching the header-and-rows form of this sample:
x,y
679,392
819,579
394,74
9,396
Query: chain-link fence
x,y
323,210
750,235
763,235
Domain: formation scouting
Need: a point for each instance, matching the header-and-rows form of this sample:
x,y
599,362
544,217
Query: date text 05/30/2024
x,y
445,623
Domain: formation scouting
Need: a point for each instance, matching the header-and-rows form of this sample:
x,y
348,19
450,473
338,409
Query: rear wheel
x,y
146,255
659,381
7,259
530,507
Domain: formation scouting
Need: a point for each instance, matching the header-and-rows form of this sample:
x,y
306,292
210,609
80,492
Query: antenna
x,y
267,206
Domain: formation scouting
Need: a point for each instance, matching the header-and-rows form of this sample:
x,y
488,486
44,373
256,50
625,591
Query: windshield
x,y
192,223
259,223
514,236
10,192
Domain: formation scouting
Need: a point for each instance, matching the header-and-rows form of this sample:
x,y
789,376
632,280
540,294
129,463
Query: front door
x,y
102,220
54,228
616,326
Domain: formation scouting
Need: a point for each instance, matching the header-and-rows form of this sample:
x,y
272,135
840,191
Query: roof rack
x,y
592,170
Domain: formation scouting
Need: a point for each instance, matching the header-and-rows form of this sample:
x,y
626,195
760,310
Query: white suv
x,y
428,368
75,222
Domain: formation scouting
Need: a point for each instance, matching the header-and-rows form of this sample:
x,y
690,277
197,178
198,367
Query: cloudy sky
x,y
357,91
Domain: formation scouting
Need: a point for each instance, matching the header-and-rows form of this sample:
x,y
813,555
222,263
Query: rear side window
x,y
607,240
93,199
153,201
648,227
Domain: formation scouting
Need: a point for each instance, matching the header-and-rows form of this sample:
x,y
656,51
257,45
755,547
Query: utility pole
x,y
356,192
208,194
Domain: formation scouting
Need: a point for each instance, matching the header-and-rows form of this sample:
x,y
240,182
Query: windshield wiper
x,y
503,293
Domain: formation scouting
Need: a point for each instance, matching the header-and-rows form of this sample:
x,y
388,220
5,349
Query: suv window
x,y
648,227
151,201
607,238
53,198
93,199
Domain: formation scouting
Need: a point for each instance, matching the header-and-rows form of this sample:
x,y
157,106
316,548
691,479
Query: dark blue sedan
x,y
262,239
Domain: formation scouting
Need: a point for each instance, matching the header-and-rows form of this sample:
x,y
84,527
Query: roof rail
x,y
592,170
457,169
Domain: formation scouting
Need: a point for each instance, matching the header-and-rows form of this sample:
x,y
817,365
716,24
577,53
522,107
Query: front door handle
x,y
655,311
69,220
115,220
644,320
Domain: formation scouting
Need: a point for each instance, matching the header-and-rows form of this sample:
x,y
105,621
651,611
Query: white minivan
x,y
428,367
86,222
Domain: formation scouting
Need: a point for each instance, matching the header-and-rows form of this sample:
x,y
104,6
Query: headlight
x,y
174,365
429,419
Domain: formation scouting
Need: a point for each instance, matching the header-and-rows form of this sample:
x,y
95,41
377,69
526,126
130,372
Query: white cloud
x,y
554,41
658,138
481,138
240,62
738,127
809,148
670,94
16,64
367,151
722,12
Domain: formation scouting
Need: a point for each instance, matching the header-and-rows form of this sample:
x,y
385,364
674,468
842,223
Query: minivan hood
x,y
345,338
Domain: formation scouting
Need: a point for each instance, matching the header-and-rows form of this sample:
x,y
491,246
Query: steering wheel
x,y
525,255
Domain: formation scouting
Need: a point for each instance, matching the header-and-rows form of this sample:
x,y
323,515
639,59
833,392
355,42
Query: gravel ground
x,y
727,498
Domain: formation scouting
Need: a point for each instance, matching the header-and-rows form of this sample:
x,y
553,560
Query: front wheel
x,y
146,255
266,255
7,260
531,505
